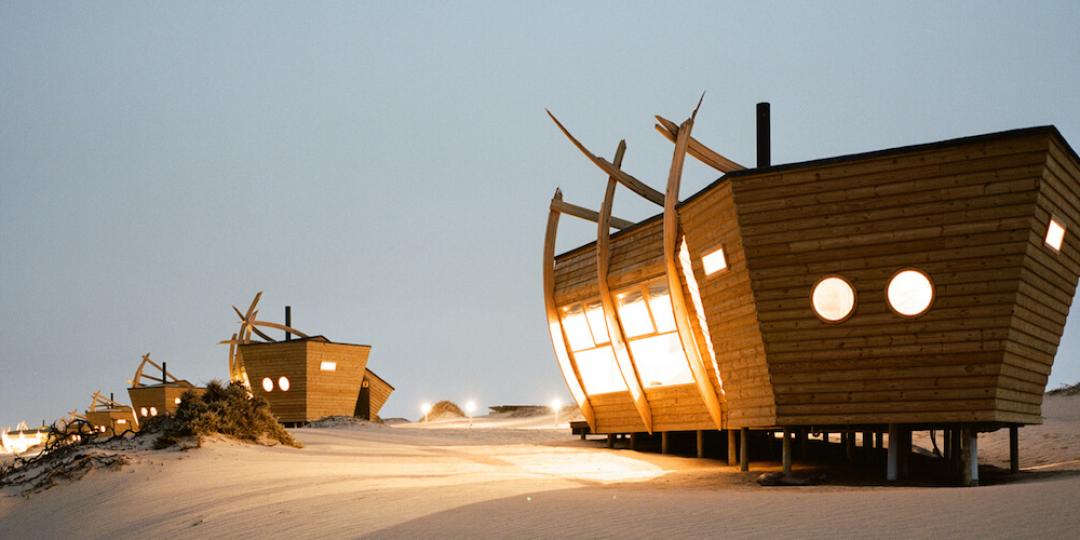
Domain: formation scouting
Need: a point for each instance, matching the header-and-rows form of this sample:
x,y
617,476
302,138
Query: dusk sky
x,y
385,168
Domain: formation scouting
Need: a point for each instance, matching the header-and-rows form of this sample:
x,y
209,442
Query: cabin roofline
x,y
1049,129
314,339
368,370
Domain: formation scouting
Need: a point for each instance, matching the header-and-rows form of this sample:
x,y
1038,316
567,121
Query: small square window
x,y
326,365
1055,234
714,261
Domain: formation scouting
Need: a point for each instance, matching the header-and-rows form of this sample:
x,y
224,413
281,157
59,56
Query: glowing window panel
x,y
660,304
599,371
714,261
283,384
833,299
1055,234
910,293
176,401
661,361
153,411
144,412
267,384
576,327
326,365
634,315
595,314
121,421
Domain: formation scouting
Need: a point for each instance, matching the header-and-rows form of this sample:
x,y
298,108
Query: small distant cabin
x,y
307,378
374,392
153,395
110,417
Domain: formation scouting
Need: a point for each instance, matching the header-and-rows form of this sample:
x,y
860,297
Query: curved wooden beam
x,y
588,215
635,185
696,148
678,302
618,344
277,326
558,340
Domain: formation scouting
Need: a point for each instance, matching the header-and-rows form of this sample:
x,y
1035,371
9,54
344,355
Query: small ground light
x,y
425,409
470,408
556,405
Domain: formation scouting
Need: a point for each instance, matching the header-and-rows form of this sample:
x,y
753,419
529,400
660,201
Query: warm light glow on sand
x,y
910,292
833,299
1055,234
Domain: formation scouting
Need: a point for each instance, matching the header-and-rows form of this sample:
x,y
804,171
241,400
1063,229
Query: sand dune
x,y
514,477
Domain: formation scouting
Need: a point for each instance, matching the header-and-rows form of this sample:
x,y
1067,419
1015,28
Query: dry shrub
x,y
226,410
445,409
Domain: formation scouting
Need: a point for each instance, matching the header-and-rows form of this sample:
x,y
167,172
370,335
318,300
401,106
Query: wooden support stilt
x,y
732,448
1014,449
611,440
892,461
969,457
802,435
664,442
744,449
879,440
849,447
786,450
700,443
905,453
825,437
633,441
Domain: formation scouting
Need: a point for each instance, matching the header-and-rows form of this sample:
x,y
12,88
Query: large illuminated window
x,y
833,299
1055,234
586,332
910,292
649,325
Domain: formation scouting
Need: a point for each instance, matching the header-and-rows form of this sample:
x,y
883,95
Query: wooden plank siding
x,y
972,213
312,393
380,391
969,216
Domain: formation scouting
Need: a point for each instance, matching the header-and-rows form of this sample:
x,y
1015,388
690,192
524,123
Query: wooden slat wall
x,y
334,393
286,358
636,255
1047,287
709,222
615,413
963,214
379,391
678,408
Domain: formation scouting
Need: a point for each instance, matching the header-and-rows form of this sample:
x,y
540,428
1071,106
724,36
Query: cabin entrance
x,y
363,403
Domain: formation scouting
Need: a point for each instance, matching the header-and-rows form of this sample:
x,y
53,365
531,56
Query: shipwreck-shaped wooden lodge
x,y
915,288
151,396
304,378
109,416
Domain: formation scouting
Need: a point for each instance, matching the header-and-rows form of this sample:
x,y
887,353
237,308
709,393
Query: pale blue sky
x,y
385,167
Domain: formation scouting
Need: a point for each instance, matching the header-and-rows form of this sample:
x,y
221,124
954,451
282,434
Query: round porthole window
x,y
153,411
143,411
833,299
910,292
268,385
176,401
283,384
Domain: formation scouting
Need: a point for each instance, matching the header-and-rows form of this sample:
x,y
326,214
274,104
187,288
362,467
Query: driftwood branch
x,y
624,178
585,213
704,154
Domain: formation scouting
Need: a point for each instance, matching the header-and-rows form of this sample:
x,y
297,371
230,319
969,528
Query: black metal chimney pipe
x,y
163,371
764,148
288,322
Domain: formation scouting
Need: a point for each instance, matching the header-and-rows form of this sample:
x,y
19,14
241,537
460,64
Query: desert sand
x,y
522,478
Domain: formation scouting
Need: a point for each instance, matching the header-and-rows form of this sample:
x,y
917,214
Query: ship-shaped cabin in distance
x,y
151,396
304,378
922,287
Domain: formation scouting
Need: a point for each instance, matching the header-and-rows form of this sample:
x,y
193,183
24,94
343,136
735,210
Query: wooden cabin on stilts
x,y
303,378
867,296
109,416
153,395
